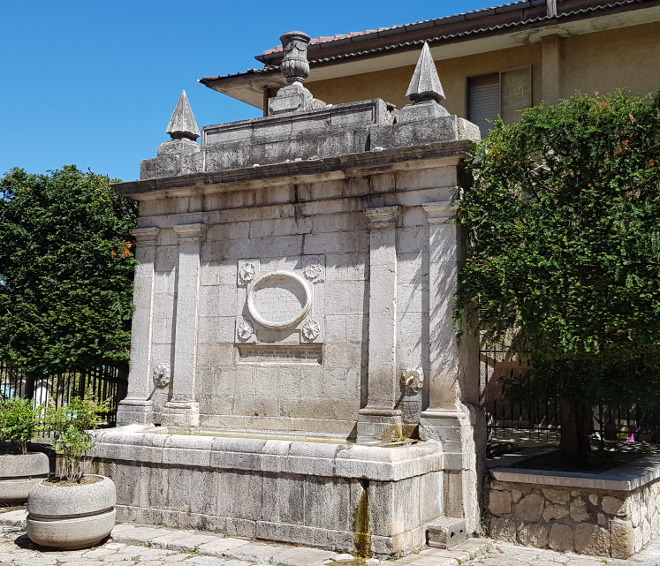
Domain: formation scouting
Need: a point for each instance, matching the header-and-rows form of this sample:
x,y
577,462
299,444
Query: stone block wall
x,y
586,520
341,496
319,231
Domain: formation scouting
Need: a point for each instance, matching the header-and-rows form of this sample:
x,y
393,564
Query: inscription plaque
x,y
280,355
279,299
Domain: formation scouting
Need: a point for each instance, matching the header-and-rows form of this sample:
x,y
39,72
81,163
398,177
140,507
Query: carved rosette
x,y
311,330
162,375
294,64
412,380
246,272
245,330
313,270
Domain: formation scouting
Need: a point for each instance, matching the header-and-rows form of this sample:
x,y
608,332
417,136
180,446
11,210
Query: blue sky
x,y
95,82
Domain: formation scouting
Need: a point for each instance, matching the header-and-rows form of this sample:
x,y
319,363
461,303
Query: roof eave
x,y
484,18
249,87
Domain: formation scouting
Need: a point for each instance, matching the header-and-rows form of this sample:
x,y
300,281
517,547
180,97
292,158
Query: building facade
x,y
492,62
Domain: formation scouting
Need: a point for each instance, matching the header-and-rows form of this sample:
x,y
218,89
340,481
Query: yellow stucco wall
x,y
455,72
387,85
391,85
605,61
601,61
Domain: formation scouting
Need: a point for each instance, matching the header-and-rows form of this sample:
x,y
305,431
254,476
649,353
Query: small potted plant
x,y
20,469
75,509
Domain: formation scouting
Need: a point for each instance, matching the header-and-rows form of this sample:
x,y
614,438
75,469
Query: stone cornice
x,y
417,157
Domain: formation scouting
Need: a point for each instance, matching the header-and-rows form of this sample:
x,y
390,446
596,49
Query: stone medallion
x,y
280,299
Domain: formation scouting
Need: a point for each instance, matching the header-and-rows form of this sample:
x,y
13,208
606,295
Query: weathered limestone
x,y
609,514
533,535
425,91
529,509
380,420
181,153
451,416
286,490
137,406
294,97
295,298
446,532
182,409
425,83
182,123
71,516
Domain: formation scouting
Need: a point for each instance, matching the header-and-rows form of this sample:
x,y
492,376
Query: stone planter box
x,y
19,473
614,513
71,516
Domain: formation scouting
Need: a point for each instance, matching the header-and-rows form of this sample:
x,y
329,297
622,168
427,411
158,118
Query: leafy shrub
x,y
71,425
563,257
19,422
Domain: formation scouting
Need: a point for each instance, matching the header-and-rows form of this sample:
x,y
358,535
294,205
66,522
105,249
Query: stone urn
x,y
69,515
19,473
295,66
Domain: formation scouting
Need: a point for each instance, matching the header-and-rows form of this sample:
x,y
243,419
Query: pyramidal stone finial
x,y
425,83
183,124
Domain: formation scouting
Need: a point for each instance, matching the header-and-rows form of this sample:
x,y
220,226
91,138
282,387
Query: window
x,y
499,94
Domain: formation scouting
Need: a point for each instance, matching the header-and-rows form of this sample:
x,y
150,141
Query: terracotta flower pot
x,y
71,516
20,472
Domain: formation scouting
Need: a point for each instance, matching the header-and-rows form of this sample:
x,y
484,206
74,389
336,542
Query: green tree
x,y
563,259
66,271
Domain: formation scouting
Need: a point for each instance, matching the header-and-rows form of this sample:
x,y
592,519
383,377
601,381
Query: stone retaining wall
x,y
613,514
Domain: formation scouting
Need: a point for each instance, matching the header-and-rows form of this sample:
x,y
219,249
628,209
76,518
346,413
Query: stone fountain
x,y
295,370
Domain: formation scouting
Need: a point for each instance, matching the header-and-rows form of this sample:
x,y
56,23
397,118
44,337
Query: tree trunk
x,y
575,428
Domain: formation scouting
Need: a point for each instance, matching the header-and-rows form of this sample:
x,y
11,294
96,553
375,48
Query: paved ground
x,y
132,545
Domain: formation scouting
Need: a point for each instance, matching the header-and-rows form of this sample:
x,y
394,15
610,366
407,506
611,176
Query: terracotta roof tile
x,y
415,25
451,28
531,13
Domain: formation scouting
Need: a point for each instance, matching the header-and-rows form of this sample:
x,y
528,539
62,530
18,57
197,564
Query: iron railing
x,y
537,416
103,383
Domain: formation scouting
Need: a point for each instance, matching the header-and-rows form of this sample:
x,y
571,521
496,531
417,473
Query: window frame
x,y
499,74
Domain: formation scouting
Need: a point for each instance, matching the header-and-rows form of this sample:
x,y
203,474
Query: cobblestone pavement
x,y
132,545
17,550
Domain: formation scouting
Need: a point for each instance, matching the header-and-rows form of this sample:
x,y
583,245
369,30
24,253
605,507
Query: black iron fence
x,y
537,416
103,383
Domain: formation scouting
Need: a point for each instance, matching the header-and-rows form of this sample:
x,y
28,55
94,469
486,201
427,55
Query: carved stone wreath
x,y
312,270
245,330
246,272
311,329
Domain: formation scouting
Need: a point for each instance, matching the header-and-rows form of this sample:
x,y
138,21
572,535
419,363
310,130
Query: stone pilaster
x,y
182,409
137,406
380,420
443,350
450,418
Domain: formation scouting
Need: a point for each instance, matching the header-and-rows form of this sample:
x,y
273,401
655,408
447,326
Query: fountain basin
x,y
376,499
